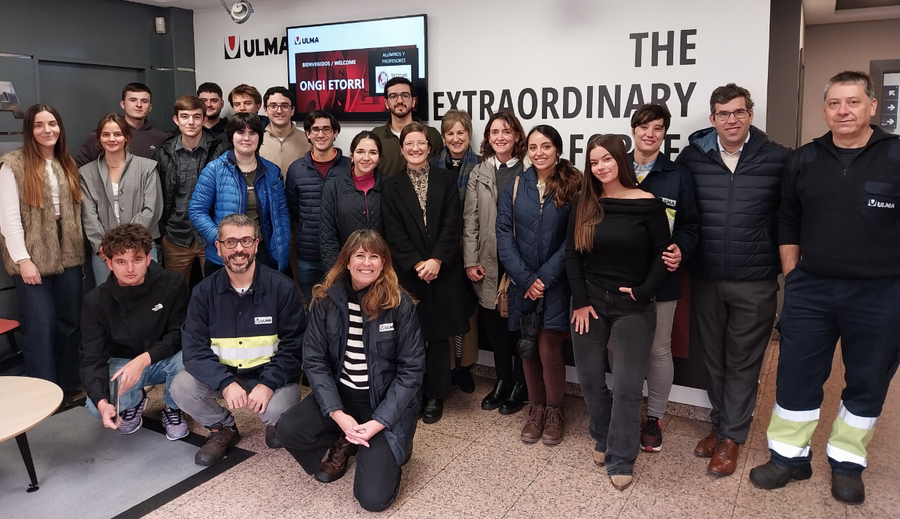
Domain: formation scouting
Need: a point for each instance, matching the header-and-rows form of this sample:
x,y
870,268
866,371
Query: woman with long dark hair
x,y
502,161
364,357
118,188
42,245
531,238
423,224
352,201
615,241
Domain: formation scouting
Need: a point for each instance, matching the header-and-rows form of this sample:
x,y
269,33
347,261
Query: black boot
x,y
466,384
434,410
497,396
848,488
517,399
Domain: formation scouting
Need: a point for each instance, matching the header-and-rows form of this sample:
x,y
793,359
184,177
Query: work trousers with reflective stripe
x,y
865,315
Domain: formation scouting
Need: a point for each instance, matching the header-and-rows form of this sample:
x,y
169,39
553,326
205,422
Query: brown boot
x,y
534,425
707,446
724,461
554,425
217,444
335,464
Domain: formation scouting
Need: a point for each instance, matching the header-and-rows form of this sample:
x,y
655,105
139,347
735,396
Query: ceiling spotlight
x,y
240,12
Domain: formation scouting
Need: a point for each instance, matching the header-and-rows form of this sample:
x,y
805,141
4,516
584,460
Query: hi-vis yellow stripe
x,y
670,214
245,352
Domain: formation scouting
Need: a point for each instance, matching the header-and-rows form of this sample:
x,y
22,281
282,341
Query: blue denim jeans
x,y
615,423
309,274
101,271
51,316
162,372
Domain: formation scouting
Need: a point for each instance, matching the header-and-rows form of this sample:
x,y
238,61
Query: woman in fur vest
x,y
42,245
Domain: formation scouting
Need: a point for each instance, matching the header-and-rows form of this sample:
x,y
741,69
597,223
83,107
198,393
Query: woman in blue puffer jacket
x,y
240,181
532,221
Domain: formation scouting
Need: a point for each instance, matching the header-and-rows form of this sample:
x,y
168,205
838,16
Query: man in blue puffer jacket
x,y
240,181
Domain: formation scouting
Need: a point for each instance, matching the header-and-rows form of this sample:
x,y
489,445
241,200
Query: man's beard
x,y
239,270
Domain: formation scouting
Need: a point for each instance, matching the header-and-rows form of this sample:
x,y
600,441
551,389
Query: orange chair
x,y
8,328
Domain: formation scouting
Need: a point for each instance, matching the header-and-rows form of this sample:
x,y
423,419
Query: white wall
x,y
514,45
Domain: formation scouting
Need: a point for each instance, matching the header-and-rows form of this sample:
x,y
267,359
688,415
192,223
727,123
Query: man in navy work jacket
x,y
241,342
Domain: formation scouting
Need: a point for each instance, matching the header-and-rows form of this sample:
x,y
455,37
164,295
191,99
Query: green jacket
x,y
392,162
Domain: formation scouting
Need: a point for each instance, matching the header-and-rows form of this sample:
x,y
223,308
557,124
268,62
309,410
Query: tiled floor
x,y
472,465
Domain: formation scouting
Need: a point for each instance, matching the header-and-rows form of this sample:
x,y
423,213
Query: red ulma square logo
x,y
232,47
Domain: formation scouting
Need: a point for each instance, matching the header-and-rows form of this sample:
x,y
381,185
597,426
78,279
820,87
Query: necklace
x,y
110,166
455,162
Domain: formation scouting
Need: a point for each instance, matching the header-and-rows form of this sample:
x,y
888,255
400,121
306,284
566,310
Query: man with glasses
x,y
304,184
240,342
400,101
734,271
282,143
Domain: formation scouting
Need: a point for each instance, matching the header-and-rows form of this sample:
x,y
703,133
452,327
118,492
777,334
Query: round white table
x,y
24,403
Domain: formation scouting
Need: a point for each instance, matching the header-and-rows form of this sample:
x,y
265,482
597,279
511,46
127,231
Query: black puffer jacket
x,y
346,209
738,227
303,189
395,361
168,170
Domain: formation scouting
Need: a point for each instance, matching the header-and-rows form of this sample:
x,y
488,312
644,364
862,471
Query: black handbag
x,y
530,325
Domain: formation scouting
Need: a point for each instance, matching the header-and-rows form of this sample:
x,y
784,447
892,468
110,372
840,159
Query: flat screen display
x,y
342,67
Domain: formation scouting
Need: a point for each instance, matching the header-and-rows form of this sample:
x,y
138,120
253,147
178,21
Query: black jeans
x,y
503,343
307,434
615,423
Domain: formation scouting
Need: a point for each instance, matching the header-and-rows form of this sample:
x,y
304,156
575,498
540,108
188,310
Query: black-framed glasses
x,y
284,107
739,114
406,96
324,129
230,243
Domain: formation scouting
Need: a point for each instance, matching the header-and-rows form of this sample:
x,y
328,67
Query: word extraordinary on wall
x,y
614,101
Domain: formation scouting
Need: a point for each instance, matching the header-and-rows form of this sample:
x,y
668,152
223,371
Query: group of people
x,y
404,248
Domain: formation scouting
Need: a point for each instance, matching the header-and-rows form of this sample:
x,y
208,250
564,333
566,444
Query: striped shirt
x,y
354,373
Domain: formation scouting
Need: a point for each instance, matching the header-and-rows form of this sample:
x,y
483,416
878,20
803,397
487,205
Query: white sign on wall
x,y
581,66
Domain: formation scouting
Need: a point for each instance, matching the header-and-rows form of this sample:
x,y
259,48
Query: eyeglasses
x,y
740,115
230,243
406,96
324,129
284,107
505,132
416,144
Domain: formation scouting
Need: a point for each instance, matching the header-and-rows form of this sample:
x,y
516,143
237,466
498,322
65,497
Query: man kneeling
x,y
241,342
131,333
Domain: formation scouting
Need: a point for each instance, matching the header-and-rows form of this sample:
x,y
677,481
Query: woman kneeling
x,y
365,359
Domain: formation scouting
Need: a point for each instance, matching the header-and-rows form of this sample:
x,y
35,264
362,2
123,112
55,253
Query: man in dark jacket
x,y
241,342
672,184
838,229
145,140
211,95
400,101
304,183
131,334
181,159
737,172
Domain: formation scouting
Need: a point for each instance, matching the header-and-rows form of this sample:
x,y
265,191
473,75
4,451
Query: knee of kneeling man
x,y
374,503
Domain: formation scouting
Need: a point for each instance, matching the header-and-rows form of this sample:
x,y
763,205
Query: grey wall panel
x,y
82,94
18,71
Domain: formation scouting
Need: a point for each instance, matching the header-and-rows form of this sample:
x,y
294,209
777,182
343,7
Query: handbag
x,y
502,300
530,325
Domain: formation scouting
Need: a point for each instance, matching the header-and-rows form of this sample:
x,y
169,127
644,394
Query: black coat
x,y
738,227
125,322
442,303
395,361
346,209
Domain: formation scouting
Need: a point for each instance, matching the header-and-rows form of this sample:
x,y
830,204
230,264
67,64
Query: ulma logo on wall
x,y
254,47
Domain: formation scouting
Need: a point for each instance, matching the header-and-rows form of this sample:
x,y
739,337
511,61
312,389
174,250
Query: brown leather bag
x,y
502,301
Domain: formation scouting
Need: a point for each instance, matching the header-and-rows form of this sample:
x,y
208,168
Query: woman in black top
x,y
423,225
364,357
617,234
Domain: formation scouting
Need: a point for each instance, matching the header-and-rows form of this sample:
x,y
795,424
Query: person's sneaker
x,y
133,419
651,434
221,438
175,423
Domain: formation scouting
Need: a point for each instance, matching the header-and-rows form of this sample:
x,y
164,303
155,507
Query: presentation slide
x,y
342,68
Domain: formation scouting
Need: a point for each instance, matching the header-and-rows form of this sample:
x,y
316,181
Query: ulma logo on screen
x,y
232,47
